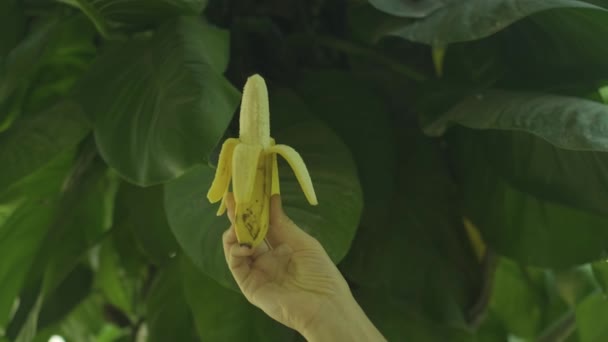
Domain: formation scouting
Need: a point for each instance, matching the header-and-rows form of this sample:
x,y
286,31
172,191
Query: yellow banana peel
x,y
250,163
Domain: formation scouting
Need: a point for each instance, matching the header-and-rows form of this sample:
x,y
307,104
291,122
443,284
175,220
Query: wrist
x,y
341,319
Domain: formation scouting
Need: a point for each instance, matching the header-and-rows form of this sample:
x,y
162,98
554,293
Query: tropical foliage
x,y
458,149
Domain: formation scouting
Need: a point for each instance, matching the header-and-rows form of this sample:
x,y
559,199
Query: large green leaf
x,y
460,21
89,322
572,174
67,296
130,15
526,215
600,272
591,318
574,284
533,209
12,26
194,223
397,321
517,300
153,123
556,48
168,312
223,315
19,64
370,26
567,122
141,211
34,141
333,222
67,50
84,213
531,303
422,233
20,237
118,286
346,105
44,66
29,209
84,216
410,8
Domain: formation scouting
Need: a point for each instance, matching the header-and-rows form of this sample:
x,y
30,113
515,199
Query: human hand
x,y
294,281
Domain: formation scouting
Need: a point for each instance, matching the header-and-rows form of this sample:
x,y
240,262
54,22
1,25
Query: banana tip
x,y
255,81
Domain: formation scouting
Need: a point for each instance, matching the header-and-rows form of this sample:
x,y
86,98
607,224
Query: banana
x,y
250,164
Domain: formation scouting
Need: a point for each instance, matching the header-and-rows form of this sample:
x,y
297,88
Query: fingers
x,y
228,239
239,258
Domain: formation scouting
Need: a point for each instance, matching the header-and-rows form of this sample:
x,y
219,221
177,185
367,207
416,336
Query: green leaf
x,y
533,229
471,65
346,105
574,284
67,296
194,223
44,66
398,322
168,312
84,213
152,123
33,142
333,222
12,26
67,52
600,272
18,65
31,208
517,300
571,174
84,216
33,315
410,8
529,198
88,322
566,122
461,21
141,211
591,318
223,315
557,48
133,15
422,232
369,26
118,286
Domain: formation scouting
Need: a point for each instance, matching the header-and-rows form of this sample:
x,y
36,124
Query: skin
x,y
295,282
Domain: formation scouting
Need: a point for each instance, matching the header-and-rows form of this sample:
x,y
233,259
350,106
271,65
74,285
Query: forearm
x,y
342,321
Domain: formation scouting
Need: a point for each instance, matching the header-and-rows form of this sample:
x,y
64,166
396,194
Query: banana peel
x,y
249,163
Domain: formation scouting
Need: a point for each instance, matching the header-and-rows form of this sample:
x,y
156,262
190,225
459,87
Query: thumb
x,y
283,230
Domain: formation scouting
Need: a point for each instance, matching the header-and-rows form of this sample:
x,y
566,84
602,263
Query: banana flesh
x,y
249,163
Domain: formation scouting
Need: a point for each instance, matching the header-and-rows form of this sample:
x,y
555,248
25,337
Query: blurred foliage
x,y
414,117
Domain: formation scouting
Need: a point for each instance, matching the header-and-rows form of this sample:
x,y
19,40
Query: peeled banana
x,y
250,164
